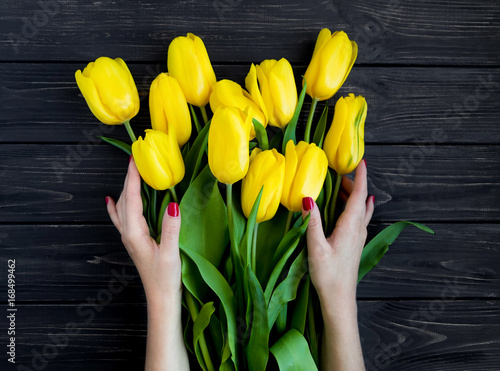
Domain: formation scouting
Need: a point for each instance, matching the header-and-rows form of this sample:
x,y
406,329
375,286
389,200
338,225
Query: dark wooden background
x,y
430,71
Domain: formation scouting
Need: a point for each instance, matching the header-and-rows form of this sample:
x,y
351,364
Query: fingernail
x,y
173,209
130,158
364,162
307,203
107,200
372,199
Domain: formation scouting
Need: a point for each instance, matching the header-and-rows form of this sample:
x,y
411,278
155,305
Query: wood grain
x,y
41,103
410,335
68,183
459,32
72,262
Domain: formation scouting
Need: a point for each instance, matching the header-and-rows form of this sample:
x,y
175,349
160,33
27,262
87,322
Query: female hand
x,y
334,261
159,265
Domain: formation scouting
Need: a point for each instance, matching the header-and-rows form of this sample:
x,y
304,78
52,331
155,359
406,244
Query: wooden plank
x,y
41,103
462,32
396,335
51,183
73,262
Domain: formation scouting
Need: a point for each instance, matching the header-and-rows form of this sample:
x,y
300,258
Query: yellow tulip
x,y
306,166
227,93
344,143
277,96
158,159
332,60
168,108
228,139
267,169
109,89
189,63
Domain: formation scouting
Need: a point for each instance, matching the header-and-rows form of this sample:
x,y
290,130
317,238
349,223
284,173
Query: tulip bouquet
x,y
247,294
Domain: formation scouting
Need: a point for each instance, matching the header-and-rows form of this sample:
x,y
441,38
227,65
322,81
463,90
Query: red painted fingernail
x,y
107,200
364,162
173,209
307,203
372,199
130,158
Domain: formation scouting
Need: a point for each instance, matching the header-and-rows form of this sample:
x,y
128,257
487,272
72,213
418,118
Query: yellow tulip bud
x,y
228,139
168,108
227,93
344,143
277,96
331,62
158,159
189,63
109,89
267,169
305,172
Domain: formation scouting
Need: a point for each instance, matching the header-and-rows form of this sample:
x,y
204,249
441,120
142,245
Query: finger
x,y
171,227
113,214
343,196
132,191
370,206
357,199
315,234
347,185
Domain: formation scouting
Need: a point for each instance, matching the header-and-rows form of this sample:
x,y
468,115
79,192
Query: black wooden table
x,y
430,71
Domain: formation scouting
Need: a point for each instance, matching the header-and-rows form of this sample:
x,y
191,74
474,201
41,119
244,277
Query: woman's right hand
x,y
334,261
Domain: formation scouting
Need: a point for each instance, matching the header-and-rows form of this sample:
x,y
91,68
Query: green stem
x,y
193,311
307,134
313,338
195,119
130,131
174,194
204,114
230,222
253,254
288,222
333,201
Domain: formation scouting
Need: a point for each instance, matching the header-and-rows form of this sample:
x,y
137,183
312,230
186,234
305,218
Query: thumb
x,y
315,235
170,228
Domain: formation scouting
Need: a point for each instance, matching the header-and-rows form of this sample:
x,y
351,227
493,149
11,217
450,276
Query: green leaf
x,y
292,353
292,125
276,140
203,211
327,188
319,133
216,281
153,209
200,324
194,158
252,145
299,311
261,135
268,239
378,246
246,242
118,144
257,349
163,207
287,289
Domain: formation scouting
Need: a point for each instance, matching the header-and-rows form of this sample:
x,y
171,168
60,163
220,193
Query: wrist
x,y
339,308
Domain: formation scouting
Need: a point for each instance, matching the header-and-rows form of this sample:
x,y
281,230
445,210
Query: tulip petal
x,y
150,168
91,95
113,85
291,161
284,91
253,89
334,135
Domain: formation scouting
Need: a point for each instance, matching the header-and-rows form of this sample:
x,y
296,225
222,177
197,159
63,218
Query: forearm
x,y
165,348
341,344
